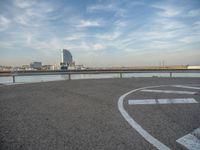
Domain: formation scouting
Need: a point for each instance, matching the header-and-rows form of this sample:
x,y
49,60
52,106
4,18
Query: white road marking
x,y
167,91
162,101
187,87
191,140
156,143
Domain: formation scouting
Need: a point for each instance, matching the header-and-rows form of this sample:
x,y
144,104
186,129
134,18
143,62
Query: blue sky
x,y
101,32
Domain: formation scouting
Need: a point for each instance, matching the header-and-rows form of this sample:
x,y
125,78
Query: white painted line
x,y
166,91
148,137
142,102
187,87
162,101
191,141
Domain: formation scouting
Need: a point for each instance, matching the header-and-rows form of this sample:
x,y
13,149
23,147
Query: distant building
x,y
25,67
36,65
193,67
46,67
55,67
66,59
79,67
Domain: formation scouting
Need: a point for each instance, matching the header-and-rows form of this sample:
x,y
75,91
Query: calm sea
x,y
44,78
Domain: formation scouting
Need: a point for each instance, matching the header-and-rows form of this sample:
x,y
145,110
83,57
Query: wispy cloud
x,y
32,13
109,36
168,24
83,46
100,7
4,23
53,44
167,10
112,7
193,13
75,36
24,3
190,39
89,23
98,46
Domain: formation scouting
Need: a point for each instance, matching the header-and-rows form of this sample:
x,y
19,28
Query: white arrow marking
x,y
187,87
166,91
191,140
162,101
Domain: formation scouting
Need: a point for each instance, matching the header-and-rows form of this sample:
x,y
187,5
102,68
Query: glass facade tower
x,y
66,57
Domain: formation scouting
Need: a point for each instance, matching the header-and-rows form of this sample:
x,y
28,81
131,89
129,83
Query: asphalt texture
x,y
83,114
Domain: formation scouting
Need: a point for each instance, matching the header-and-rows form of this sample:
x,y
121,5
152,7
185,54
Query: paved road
x,y
84,114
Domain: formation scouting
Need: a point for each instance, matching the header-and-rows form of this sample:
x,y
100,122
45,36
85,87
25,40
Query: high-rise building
x,y
66,57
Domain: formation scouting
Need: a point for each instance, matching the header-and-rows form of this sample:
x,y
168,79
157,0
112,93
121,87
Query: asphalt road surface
x,y
100,114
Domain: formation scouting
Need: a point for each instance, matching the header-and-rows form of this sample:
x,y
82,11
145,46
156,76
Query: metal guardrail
x,y
105,71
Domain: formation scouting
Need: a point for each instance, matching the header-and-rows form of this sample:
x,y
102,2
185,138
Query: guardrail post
x,y
120,75
69,76
13,78
170,74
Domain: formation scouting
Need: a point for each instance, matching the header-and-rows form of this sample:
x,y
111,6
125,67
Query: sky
x,y
100,33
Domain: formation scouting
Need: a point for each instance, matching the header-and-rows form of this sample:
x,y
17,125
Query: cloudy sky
x,y
101,32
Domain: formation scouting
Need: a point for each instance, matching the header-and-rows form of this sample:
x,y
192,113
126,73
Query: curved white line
x,y
156,143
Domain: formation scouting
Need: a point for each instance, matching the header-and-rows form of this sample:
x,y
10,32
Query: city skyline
x,y
100,33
